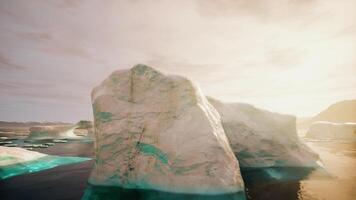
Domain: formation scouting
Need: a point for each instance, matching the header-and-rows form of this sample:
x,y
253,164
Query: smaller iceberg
x,y
263,139
17,161
53,132
329,130
85,129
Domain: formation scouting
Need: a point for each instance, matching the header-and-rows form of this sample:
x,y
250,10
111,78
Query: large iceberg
x,y
260,138
53,132
330,130
154,131
16,161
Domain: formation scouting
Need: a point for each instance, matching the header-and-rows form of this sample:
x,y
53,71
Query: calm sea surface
x,y
336,182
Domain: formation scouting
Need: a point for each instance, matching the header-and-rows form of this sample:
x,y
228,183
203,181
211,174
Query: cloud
x,y
349,31
171,65
7,64
36,36
284,58
284,55
72,51
71,3
260,9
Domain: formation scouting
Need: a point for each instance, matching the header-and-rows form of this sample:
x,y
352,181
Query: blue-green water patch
x,y
140,69
101,116
244,154
115,80
43,163
151,150
93,192
104,116
263,153
39,134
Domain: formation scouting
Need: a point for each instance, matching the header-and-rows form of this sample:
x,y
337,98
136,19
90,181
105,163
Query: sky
x,y
289,56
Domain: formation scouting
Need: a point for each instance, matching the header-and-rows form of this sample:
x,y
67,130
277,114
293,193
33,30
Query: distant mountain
x,y
342,111
29,124
13,129
339,112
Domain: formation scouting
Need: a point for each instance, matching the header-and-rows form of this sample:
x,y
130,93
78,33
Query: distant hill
x,y
342,111
12,129
29,124
339,112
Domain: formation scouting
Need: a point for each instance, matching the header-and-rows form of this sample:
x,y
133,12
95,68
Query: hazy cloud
x,y
7,64
283,55
262,10
37,36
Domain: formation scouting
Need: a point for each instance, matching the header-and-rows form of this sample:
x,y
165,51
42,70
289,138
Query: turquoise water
x,y
252,177
46,162
336,182
113,193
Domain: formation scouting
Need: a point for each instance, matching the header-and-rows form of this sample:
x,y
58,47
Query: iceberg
x,y
158,132
260,138
53,132
17,161
84,128
329,130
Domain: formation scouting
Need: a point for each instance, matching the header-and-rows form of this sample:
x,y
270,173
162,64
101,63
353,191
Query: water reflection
x,y
114,193
274,183
265,183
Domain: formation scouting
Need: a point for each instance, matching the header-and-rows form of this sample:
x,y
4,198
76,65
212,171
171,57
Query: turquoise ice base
x,y
93,192
46,162
279,174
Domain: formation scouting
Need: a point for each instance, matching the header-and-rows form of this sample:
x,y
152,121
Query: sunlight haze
x,y
294,57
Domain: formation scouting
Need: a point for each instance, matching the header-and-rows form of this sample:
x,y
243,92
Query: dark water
x,y
113,193
64,182
274,183
336,182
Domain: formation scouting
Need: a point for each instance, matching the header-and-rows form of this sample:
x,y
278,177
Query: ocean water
x,y
43,163
112,193
337,181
